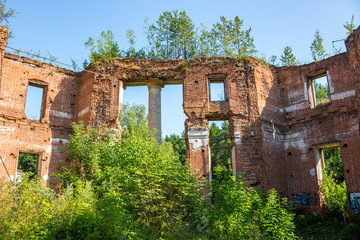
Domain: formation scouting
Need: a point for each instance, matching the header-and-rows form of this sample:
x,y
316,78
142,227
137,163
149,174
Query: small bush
x,y
239,212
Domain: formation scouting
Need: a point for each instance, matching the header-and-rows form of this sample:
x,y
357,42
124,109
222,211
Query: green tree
x,y
104,48
5,14
130,36
273,60
333,164
350,26
220,145
232,40
288,58
317,48
321,93
27,162
172,36
206,42
179,146
223,36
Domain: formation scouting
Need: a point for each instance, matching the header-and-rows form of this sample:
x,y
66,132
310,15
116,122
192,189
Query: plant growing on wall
x,y
104,47
288,58
172,36
317,48
350,26
5,15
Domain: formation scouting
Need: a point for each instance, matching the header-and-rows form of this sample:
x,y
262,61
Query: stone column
x,y
154,116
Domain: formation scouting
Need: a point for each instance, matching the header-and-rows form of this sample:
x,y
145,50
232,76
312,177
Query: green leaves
x,y
134,188
288,58
334,192
321,92
172,37
232,40
175,36
239,212
105,47
317,47
350,26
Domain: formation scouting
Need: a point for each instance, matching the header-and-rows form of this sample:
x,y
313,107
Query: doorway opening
x,y
220,149
331,178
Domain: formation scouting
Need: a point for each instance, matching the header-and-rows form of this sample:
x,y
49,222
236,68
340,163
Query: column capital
x,y
155,82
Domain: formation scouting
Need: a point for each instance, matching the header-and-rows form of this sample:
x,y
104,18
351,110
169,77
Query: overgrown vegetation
x,y
288,58
134,188
220,146
5,15
174,36
321,92
317,48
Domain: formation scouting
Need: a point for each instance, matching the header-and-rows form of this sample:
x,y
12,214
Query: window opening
x,y
320,90
34,102
220,148
217,88
28,163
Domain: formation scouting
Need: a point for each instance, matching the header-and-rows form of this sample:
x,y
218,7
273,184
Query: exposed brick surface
x,y
276,131
42,136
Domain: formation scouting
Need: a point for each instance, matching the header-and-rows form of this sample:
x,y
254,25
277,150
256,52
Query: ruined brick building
x,y
277,129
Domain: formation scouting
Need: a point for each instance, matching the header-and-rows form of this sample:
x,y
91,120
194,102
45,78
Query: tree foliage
x,y
145,179
104,47
172,36
5,15
350,26
288,58
317,48
238,212
220,145
333,164
179,146
334,192
232,40
321,93
27,162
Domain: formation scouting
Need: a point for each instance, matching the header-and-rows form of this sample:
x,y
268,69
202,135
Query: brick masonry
x,y
275,129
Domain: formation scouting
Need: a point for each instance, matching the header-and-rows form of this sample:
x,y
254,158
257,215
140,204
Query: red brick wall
x,y
275,129
309,127
44,136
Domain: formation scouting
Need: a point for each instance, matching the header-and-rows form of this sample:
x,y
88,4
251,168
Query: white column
x,y
154,116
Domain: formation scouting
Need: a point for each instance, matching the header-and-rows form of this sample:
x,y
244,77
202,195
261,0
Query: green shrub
x,y
335,194
239,212
25,209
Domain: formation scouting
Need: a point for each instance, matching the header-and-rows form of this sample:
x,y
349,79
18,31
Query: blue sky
x,y
62,28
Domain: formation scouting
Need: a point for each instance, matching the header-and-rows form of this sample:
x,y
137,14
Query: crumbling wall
x,y
276,129
247,83
310,127
45,136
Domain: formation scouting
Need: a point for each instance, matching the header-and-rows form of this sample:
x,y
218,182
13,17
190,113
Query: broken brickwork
x,y
45,136
277,130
